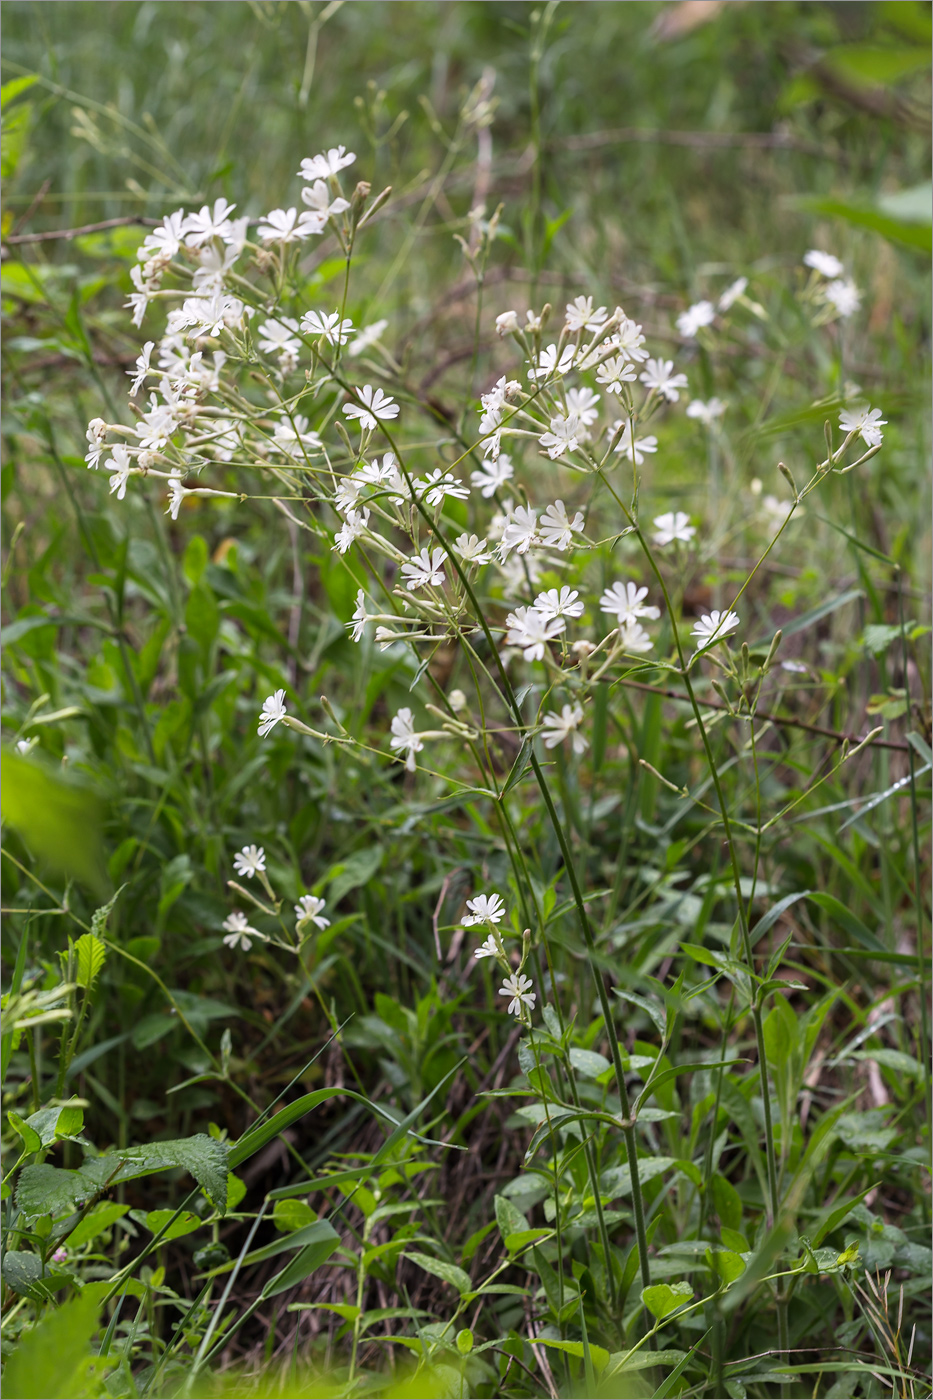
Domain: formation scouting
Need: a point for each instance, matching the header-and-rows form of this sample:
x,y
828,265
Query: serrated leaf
x,y
90,953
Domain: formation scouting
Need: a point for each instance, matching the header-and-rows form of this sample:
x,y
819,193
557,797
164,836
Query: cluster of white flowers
x,y
489,910
238,931
837,291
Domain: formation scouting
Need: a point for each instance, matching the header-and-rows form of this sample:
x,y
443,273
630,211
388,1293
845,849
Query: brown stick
x,y
86,228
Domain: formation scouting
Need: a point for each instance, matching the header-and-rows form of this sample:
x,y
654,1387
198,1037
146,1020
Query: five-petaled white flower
x,y
634,638
319,199
239,929
566,725
484,909
138,375
674,525
506,322
374,405
288,226
520,532
273,709
706,412
530,631
368,336
732,293
563,602
844,296
249,861
326,164
634,448
564,436
489,949
208,223
496,474
404,738
120,464
309,907
700,314
658,375
96,432
557,529
472,550
353,526
867,422
826,264
438,484
335,330
357,623
582,317
550,361
615,372
176,493
712,627
424,568
629,340
518,987
583,403
278,337
626,600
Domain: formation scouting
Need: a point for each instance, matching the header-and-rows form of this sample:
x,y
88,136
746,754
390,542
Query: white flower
x,y
583,403
278,337
712,627
95,434
674,525
776,510
209,315
368,336
550,362
506,322
472,550
520,532
492,446
375,406
732,293
165,241
615,372
701,313
629,340
518,987
309,908
438,484
634,448
215,263
209,223
322,166
357,623
139,299
843,296
563,602
288,435
424,568
249,861
706,412
288,226
530,631
120,464
634,638
657,375
824,263
582,317
176,493
489,949
566,725
564,436
867,422
353,526
335,330
238,930
273,709
405,738
626,600
25,746
318,198
484,909
557,528
796,668
138,375
496,474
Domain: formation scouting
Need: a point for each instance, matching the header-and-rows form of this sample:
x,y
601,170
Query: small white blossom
x,y
550,362
563,602
404,738
564,436
484,909
333,329
520,532
796,668
626,601
776,510
353,526
239,929
138,375
557,528
615,372
732,293
323,166
249,861
495,475
629,340
489,949
674,525
278,337
120,464
366,337
438,484
309,908
176,493
288,226
826,264
706,412
844,296
518,987
712,627
96,433
140,299
530,631
424,568
472,550
566,725
634,638
506,322
357,623
583,403
273,710
634,448
288,435
700,314
163,242
657,375
319,199
867,422
26,746
374,405
208,223
582,317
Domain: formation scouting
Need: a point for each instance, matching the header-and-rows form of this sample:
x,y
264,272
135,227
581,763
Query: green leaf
x,y
311,1257
183,1223
90,953
22,1272
873,215
358,869
892,1059
59,820
45,1365
95,1223
256,1138
450,1273
31,1139
44,1189
60,1121
661,1299
725,1265
867,65
292,1215
656,1012
842,915
588,1062
768,920
830,1220
509,1218
14,87
727,1202
598,1355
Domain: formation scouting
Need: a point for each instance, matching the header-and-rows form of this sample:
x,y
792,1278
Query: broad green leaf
x,y
292,1215
182,1223
311,1257
725,1265
90,953
843,916
509,1218
892,1059
661,1299
45,1365
598,1355
830,1220
60,1121
32,1142
727,1202
95,1223
874,215
22,1272
358,869
450,1273
59,820
657,1013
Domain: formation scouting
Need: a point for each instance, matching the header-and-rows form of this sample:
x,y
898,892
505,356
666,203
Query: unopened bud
x,y
457,701
788,477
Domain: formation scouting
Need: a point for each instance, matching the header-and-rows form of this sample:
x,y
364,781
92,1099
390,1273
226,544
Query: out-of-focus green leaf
x,y
897,227
58,819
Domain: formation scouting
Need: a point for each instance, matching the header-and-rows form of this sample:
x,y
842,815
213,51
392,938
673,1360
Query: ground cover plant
x,y
466,704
